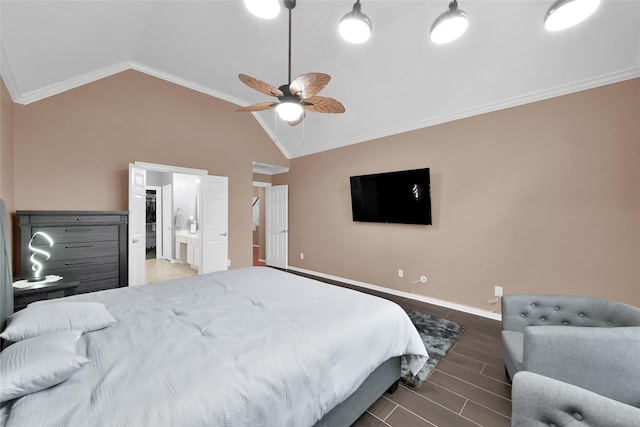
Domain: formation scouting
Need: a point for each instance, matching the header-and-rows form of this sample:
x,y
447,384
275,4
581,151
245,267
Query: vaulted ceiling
x,y
398,81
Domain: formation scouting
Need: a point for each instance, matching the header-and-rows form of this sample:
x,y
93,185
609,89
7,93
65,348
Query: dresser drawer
x,y
82,266
97,285
72,219
81,250
79,234
96,276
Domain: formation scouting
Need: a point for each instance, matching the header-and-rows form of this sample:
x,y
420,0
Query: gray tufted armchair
x,y
591,343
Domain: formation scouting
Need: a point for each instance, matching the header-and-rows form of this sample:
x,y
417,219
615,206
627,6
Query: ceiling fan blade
x,y
260,86
297,122
307,85
321,104
258,107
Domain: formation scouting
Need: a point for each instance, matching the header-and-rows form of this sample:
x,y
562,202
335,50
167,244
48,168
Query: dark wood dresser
x,y
91,245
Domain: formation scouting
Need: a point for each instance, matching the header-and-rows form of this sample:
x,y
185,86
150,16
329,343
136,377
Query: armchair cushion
x,y
539,401
512,349
603,360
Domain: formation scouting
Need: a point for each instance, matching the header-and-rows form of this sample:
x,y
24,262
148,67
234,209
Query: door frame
x,y
159,218
169,169
262,184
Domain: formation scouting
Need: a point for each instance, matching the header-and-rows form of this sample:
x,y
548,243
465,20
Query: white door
x,y
137,231
167,222
215,224
276,224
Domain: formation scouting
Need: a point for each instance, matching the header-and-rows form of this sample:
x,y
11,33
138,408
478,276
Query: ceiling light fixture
x,y
450,25
296,97
265,9
355,26
567,13
289,111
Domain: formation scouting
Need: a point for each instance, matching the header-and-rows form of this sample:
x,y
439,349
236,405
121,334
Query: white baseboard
x,y
441,303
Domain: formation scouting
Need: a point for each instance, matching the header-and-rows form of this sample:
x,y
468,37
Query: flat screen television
x,y
401,197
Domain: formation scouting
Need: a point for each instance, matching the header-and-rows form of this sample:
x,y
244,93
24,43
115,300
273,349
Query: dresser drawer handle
x,y
82,279
77,229
87,245
89,261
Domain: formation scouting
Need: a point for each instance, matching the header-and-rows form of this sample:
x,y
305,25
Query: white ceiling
x,y
396,82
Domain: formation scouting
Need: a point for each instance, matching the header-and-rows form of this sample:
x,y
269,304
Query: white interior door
x,y
277,224
167,222
215,224
137,230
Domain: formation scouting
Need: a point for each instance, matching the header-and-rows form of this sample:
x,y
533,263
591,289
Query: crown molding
x,y
606,79
72,83
184,83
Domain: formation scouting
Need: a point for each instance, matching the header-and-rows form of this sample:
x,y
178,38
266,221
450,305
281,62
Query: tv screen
x,y
394,197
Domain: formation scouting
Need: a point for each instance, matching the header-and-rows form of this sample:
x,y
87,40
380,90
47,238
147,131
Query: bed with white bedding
x,y
246,347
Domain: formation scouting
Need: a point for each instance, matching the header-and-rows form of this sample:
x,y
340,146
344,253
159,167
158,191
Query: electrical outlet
x,y
423,279
301,255
400,272
497,291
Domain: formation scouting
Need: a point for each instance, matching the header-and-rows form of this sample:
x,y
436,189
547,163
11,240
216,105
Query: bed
x,y
247,347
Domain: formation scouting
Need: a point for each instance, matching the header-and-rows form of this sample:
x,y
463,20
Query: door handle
x,y
135,240
223,234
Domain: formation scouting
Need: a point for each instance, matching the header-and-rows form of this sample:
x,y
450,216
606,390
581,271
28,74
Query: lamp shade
x,y
265,9
567,13
450,25
289,111
355,26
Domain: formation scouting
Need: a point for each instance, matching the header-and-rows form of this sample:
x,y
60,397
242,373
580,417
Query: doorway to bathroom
x,y
185,231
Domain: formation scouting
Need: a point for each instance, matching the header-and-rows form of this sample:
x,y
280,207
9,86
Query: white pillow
x,y
37,363
60,316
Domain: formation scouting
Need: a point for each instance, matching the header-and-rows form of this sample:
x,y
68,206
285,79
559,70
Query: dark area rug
x,y
438,336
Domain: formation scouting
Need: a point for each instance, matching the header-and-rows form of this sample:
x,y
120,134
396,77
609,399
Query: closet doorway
x,y
270,217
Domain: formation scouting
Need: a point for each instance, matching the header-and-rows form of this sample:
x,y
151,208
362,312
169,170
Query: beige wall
x,y
542,198
7,155
72,150
538,198
6,147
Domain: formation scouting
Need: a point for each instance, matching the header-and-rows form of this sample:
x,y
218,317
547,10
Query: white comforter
x,y
248,347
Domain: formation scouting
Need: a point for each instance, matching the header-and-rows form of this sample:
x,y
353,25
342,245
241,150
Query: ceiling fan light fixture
x,y
450,25
566,13
355,26
289,111
265,9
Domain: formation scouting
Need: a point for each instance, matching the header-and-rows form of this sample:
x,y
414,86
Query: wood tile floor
x,y
158,270
468,388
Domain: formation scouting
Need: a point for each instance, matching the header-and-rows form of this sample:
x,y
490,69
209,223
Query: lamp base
x,y
36,279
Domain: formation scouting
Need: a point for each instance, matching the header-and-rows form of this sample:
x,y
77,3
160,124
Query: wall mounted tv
x,y
401,197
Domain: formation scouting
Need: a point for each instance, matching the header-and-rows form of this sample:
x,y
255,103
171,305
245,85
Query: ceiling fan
x,y
297,97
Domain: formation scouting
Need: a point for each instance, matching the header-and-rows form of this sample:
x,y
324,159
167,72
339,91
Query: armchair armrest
x,y
602,360
539,401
